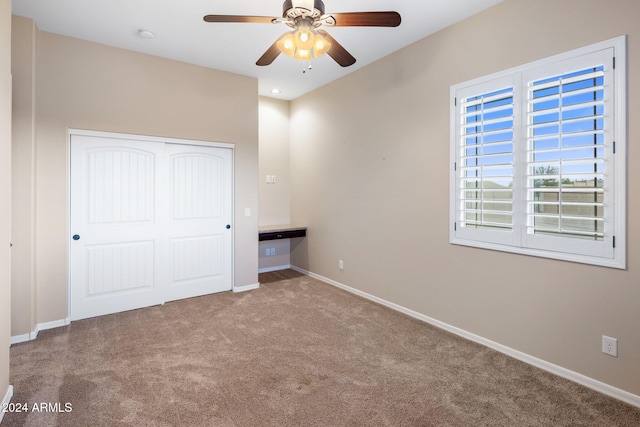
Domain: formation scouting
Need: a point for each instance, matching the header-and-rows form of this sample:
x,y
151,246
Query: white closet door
x,y
115,214
199,221
148,223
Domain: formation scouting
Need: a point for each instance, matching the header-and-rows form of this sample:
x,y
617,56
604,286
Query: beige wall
x,y
274,160
85,85
375,193
5,193
23,175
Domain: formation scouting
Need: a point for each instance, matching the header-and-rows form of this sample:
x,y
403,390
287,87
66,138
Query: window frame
x,y
612,251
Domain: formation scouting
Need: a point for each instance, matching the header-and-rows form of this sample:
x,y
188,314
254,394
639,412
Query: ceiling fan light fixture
x,y
304,54
303,44
305,38
287,44
321,45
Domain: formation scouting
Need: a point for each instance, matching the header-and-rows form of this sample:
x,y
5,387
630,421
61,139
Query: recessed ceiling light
x,y
146,34
275,91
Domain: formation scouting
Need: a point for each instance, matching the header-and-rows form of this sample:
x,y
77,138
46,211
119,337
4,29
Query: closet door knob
x,y
76,237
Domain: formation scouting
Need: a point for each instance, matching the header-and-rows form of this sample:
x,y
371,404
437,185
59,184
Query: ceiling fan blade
x,y
367,19
337,52
269,56
239,18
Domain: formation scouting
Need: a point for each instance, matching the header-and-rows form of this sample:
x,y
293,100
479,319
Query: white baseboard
x,y
54,324
270,269
17,339
246,288
6,401
576,377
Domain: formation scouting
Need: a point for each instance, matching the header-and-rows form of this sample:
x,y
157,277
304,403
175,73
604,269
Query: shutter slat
x,y
548,83
483,100
568,108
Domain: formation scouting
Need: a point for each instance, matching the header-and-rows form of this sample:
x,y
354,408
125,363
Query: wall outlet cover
x,y
610,346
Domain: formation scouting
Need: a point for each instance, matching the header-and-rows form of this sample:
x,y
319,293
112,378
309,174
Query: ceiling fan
x,y
307,41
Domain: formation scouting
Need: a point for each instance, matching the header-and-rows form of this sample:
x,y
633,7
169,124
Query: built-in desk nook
x,y
275,232
275,244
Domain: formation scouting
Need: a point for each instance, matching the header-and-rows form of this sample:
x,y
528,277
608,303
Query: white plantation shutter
x,y
569,158
485,116
487,160
534,158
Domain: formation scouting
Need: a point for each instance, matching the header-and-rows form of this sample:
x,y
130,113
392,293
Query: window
x,y
539,156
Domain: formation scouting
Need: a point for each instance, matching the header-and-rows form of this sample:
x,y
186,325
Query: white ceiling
x,y
181,33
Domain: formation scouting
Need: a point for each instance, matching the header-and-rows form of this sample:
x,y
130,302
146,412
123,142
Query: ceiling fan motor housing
x,y
307,8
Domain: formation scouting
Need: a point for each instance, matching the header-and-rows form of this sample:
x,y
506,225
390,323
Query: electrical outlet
x,y
267,252
340,264
273,251
610,346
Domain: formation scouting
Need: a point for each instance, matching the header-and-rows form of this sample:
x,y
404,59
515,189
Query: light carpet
x,y
295,352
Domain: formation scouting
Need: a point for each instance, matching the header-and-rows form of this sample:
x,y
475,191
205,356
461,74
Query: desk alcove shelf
x,y
275,232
